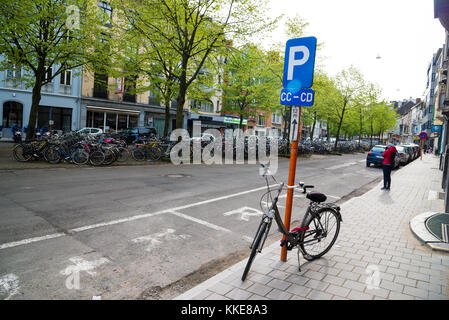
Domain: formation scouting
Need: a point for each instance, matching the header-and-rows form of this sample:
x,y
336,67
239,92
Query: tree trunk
x,y
313,126
180,107
35,100
328,130
339,126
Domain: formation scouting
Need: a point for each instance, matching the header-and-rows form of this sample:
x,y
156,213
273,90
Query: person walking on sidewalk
x,y
388,164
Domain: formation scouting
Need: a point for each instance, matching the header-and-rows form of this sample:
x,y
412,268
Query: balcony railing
x,y
65,89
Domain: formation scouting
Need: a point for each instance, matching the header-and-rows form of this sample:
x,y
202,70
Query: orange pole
x,y
291,182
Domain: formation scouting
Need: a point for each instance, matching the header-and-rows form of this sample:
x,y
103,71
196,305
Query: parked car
x,y
130,135
91,131
404,156
413,150
375,157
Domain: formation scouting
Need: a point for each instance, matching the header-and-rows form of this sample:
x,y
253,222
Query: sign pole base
x,y
291,182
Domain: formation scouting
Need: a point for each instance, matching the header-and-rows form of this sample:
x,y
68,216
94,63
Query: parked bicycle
x,y
316,235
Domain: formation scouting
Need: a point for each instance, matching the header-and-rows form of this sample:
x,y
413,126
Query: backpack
x,y
393,156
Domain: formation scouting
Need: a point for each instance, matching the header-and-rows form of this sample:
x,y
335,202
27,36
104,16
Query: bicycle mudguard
x,y
329,206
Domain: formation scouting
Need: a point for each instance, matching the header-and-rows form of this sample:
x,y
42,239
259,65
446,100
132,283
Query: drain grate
x,y
438,226
445,232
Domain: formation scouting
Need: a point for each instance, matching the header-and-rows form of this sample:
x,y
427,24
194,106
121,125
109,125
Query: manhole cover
x,y
176,175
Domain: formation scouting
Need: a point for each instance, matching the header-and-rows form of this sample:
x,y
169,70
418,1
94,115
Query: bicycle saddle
x,y
316,196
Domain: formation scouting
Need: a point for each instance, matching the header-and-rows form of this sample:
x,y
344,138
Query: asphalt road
x,y
126,232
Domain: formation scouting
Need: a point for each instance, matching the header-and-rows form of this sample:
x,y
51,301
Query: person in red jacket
x,y
388,164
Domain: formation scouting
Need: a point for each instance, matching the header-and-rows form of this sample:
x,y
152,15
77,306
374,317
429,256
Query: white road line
x,y
202,222
341,166
30,240
133,218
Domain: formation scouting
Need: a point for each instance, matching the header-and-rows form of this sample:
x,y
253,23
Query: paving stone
x,y
260,278
389,285
416,292
378,292
405,281
314,275
357,295
418,276
257,297
215,296
354,285
319,295
297,279
278,284
337,290
315,284
202,295
221,288
238,294
259,289
399,296
333,279
299,290
277,294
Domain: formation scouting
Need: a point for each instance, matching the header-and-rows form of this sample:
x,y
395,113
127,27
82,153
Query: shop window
x,y
122,121
111,119
133,121
62,118
12,114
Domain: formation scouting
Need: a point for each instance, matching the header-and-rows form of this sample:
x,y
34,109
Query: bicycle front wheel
x,y
321,235
255,248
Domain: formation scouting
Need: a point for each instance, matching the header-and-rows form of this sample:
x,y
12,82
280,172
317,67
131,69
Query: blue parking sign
x,y
299,63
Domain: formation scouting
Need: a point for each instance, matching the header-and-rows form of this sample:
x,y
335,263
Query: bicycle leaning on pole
x,y
316,235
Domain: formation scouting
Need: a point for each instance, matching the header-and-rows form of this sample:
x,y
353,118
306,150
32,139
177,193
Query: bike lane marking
x,y
133,218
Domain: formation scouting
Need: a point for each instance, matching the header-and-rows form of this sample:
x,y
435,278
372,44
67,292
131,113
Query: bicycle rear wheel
x,y
96,158
80,157
255,248
123,154
21,153
138,154
322,234
53,155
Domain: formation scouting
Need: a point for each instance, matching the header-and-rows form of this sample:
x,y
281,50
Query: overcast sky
x,y
403,32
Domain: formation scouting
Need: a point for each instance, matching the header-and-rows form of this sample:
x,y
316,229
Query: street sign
x,y
303,97
294,123
437,128
423,135
299,63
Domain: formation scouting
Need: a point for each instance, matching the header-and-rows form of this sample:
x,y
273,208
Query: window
x,y
14,72
12,114
66,77
276,118
261,120
48,74
105,11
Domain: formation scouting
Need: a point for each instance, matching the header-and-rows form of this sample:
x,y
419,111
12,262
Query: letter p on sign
x,y
299,63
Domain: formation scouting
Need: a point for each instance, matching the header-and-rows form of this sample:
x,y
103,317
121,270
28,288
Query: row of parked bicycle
x,y
81,148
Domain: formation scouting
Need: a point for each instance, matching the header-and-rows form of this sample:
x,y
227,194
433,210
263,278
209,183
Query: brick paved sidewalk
x,y
374,236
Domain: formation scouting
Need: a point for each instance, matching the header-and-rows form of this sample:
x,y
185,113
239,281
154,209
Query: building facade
x,y
59,105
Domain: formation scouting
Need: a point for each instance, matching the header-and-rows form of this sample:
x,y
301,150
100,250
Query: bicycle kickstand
x,y
299,262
